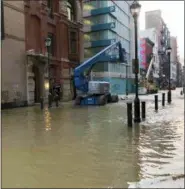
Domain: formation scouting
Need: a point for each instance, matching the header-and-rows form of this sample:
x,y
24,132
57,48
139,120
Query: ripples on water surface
x,y
92,147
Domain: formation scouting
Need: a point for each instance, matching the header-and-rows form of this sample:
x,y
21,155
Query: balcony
x,y
162,31
86,13
107,26
87,28
103,10
162,42
101,43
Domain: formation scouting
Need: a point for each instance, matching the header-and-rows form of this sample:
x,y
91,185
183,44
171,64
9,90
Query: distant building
x,y
152,35
174,58
153,19
146,52
106,22
183,76
179,74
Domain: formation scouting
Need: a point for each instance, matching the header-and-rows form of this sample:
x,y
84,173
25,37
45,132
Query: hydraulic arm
x,y
114,51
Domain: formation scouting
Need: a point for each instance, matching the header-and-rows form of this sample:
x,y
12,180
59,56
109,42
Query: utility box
x,y
99,87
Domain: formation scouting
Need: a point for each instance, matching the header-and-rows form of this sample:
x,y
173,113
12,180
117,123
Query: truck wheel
x,y
115,98
78,100
109,98
102,100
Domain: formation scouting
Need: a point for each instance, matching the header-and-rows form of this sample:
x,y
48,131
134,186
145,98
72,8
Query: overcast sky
x,y
173,15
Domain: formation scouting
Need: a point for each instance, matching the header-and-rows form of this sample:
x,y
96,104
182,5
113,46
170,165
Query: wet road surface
x,y
93,147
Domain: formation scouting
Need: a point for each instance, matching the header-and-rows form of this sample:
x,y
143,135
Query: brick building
x,y
61,20
146,50
145,55
25,26
152,35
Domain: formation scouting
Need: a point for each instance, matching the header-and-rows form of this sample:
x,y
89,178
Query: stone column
x,y
41,67
63,6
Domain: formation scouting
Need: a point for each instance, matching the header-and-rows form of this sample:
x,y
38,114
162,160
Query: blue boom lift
x,y
96,92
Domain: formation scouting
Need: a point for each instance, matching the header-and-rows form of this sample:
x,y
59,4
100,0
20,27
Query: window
x,y
73,42
50,6
51,48
2,20
70,11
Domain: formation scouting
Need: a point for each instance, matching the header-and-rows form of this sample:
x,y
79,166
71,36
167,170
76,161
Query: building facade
x,y
183,77
146,53
174,58
151,34
106,22
61,21
13,67
26,25
153,19
179,75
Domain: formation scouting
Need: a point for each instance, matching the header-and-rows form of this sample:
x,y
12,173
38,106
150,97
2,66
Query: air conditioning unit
x,y
31,51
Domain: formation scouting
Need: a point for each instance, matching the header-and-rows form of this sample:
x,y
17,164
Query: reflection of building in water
x,y
47,120
115,147
156,148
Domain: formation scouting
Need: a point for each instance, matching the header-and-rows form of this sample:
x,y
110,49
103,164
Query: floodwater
x,y
93,147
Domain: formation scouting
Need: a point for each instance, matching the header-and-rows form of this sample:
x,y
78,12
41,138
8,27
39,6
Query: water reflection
x,y
47,119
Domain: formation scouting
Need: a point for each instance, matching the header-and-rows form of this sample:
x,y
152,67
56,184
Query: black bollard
x,y
163,99
129,114
41,103
156,102
50,100
143,108
56,101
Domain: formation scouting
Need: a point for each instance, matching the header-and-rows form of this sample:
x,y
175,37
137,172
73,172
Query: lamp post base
x,y
41,103
49,101
137,118
169,97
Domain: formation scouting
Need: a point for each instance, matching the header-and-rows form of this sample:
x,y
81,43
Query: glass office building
x,y
106,22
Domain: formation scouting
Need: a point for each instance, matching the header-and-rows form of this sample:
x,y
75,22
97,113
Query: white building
x,y
151,33
174,58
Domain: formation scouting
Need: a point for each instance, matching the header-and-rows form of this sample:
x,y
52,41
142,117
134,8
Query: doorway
x,y
37,84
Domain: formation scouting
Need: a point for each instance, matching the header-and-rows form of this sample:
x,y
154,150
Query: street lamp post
x,y
135,10
127,80
168,51
48,44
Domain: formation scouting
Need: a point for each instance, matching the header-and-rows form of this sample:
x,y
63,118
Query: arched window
x,y
70,11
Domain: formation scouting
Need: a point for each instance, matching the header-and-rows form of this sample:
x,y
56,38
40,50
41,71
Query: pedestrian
x,y
56,96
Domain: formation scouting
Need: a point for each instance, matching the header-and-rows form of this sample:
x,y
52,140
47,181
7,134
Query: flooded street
x,y
93,147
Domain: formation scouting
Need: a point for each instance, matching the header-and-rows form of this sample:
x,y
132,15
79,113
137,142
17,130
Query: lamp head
x,y
48,42
168,50
135,9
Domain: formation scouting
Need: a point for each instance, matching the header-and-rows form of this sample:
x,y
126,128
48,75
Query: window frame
x,y
70,11
76,42
50,7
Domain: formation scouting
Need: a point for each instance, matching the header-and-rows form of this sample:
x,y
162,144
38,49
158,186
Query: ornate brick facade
x,y
41,19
